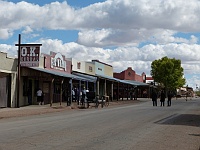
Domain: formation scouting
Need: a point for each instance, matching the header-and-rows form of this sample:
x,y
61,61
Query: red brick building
x,y
129,74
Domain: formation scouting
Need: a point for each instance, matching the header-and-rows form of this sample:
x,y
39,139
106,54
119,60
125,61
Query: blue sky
x,y
73,3
64,35
122,33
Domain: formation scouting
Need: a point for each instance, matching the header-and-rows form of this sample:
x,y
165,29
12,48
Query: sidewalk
x,y
56,107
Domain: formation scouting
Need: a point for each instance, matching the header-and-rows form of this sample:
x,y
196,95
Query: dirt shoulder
x,y
43,109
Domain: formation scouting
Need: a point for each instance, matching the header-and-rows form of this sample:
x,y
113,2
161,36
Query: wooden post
x,y
51,92
61,91
18,72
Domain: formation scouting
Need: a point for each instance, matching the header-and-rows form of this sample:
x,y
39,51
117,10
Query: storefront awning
x,y
91,78
118,80
62,74
130,82
136,83
107,77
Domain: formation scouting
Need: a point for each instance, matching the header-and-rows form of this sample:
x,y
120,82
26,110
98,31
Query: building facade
x,y
140,89
8,76
56,75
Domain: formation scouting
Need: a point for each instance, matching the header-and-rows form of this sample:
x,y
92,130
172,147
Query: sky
x,y
122,33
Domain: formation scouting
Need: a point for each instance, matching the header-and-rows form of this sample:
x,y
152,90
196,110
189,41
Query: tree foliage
x,y
197,93
168,72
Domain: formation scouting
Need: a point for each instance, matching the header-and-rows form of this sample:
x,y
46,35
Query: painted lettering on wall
x,y
100,69
29,56
57,62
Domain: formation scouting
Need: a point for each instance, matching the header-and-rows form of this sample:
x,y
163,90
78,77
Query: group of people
x,y
75,96
79,96
162,96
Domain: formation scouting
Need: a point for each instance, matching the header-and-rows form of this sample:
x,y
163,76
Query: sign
x,y
29,55
58,62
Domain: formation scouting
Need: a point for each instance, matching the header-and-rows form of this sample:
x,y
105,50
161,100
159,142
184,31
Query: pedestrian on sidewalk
x,y
162,98
83,98
169,98
154,98
40,96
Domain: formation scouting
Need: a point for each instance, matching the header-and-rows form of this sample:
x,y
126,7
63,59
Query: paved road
x,y
135,127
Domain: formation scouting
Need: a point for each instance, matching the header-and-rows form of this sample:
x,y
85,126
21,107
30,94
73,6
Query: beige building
x,y
8,78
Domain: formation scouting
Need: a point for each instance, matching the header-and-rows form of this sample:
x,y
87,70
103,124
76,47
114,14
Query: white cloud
x,y
10,50
193,80
122,57
113,22
168,36
5,33
138,58
128,26
27,30
110,37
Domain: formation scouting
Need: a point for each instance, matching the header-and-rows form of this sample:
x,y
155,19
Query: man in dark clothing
x,y
76,91
154,98
83,96
162,98
135,93
169,98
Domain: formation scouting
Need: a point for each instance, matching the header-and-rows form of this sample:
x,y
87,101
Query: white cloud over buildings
x,y
140,31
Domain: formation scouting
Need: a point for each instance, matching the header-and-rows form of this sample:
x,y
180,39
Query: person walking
x,y
73,95
39,96
169,96
154,98
83,98
162,98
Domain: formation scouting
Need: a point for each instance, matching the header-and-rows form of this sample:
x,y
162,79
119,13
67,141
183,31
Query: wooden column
x,y
51,92
112,91
61,91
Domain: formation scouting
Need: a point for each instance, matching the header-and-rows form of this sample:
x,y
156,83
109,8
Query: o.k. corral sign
x,y
29,55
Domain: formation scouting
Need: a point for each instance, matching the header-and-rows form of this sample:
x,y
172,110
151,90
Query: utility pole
x,y
25,59
18,71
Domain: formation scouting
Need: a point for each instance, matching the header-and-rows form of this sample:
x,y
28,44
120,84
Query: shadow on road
x,y
195,135
182,119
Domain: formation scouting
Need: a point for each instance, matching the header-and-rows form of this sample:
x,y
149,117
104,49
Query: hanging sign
x,y
29,55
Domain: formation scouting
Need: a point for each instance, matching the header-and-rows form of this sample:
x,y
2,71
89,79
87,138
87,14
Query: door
x,y
46,91
3,92
30,92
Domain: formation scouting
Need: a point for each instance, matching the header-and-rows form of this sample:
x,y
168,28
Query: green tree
x,y
168,72
197,93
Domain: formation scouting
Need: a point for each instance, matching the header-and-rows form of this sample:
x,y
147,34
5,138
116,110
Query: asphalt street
x,y
128,127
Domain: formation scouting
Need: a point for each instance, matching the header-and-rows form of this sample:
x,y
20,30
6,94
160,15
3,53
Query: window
x,y
78,65
90,69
